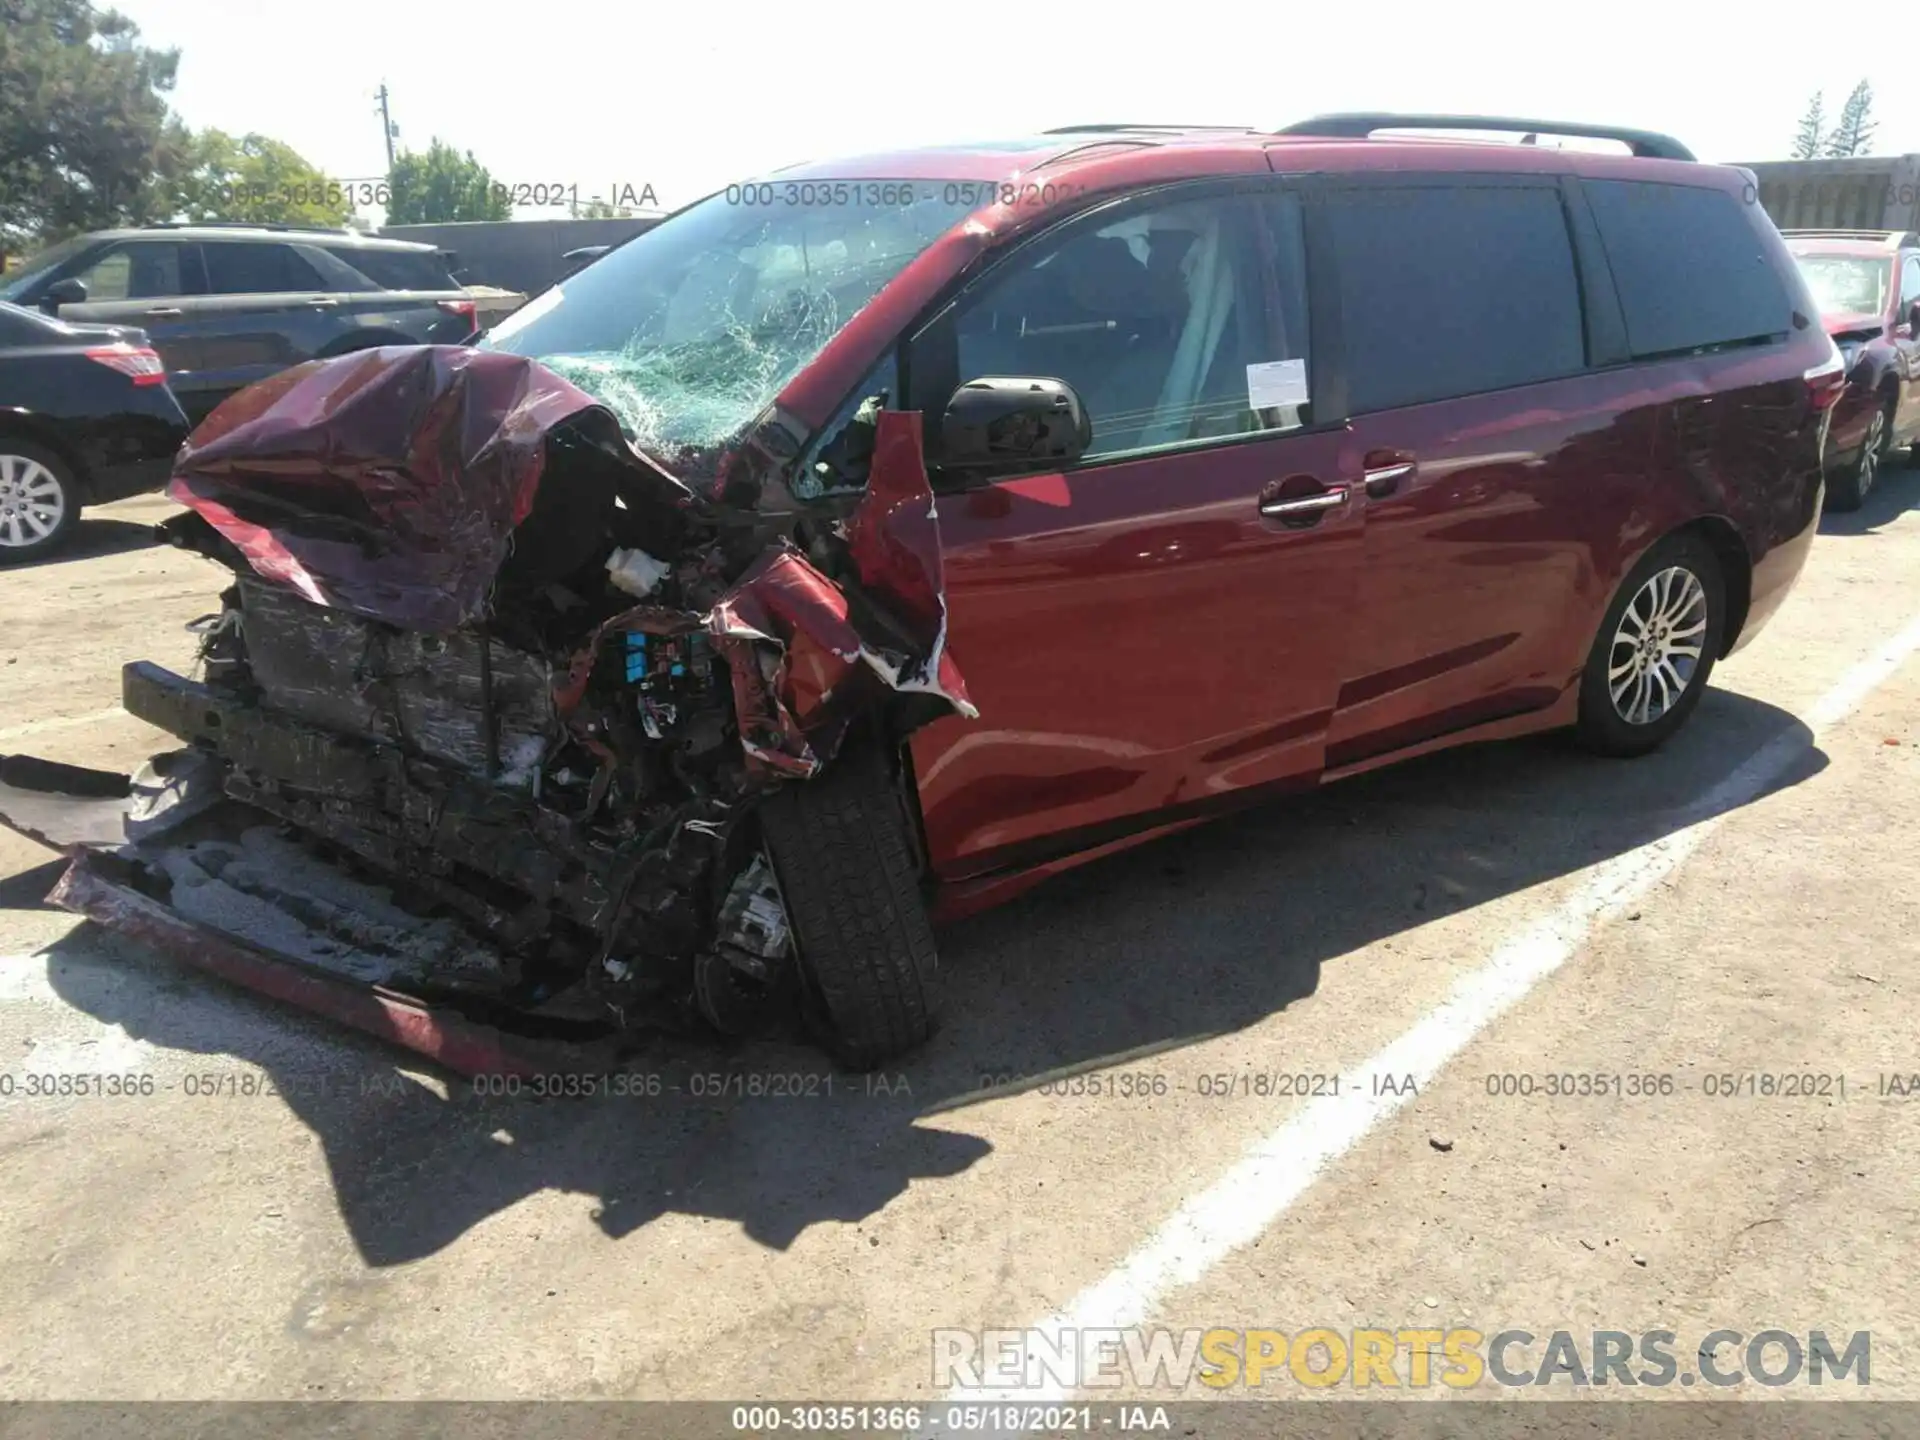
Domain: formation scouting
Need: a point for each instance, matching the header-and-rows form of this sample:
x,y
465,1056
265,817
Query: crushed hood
x,y
1851,324
389,482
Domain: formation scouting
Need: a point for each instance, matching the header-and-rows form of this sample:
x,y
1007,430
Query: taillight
x,y
467,310
139,363
1827,381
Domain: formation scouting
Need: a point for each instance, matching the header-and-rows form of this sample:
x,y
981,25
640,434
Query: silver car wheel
x,y
33,502
1870,455
1657,647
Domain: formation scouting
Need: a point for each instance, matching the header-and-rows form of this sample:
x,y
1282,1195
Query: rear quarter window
x,y
397,269
1690,267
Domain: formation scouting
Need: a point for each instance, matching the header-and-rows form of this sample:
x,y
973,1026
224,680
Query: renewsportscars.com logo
x,y
1158,1359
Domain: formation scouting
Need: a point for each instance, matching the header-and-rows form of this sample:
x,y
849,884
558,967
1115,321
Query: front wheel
x,y
845,859
39,503
1655,650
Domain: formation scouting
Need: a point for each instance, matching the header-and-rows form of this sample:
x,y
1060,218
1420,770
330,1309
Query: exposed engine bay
x,y
479,650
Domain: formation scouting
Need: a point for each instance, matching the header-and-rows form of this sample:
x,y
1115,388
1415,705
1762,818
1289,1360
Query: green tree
x,y
86,140
257,180
1853,135
443,185
598,209
1813,129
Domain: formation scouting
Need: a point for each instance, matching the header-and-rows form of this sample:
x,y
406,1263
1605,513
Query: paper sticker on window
x,y
1277,382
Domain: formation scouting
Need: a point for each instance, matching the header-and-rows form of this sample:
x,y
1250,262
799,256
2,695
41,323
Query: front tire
x,y
39,501
1655,651
845,859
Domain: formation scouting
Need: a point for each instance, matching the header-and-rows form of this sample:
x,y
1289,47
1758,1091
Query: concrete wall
x,y
522,255
1878,192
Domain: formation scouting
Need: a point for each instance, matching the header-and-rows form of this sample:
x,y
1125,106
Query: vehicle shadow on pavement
x,y
1195,935
28,890
1897,492
92,538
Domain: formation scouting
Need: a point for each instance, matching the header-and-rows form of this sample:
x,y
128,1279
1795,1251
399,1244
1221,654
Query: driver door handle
x,y
165,312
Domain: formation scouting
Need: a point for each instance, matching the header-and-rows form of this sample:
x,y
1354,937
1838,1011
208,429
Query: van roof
x,y
1111,155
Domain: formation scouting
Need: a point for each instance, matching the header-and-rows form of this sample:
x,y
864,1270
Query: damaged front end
x,y
519,694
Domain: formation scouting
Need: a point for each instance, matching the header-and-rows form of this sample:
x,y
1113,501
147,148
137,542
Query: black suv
x,y
227,305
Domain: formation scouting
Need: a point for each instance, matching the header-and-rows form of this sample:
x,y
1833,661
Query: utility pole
x,y
386,124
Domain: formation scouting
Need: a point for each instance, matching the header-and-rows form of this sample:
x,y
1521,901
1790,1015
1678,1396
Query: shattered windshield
x,y
1846,285
688,331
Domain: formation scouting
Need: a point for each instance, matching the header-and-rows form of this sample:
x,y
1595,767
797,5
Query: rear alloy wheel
x,y
1650,662
845,860
38,505
1849,490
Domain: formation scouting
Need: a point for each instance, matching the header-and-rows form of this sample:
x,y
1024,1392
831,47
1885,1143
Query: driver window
x,y
1910,282
143,271
1157,319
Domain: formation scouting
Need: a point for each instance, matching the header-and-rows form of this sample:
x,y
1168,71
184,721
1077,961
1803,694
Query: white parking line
x,y
1279,1167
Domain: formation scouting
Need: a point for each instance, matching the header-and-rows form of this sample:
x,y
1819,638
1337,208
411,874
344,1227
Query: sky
x,y
594,95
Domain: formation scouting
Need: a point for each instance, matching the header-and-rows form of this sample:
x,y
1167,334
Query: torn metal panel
x,y
894,537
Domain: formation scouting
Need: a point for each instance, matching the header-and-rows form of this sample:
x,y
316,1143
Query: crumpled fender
x,y
829,656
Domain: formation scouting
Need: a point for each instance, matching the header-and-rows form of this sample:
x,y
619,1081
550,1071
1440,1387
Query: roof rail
x,y
1117,129
241,225
1359,125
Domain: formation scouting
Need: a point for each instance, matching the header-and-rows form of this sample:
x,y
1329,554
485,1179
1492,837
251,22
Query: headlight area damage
x,y
509,729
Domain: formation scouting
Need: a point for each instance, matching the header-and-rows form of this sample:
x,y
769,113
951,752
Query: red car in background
x,y
1867,285
1115,477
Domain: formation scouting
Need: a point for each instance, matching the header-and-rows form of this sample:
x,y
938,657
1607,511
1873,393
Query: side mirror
x,y
63,292
1913,320
1013,421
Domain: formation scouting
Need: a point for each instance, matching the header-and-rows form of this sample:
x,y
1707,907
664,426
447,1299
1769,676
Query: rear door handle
x,y
1382,480
1305,509
170,312
323,302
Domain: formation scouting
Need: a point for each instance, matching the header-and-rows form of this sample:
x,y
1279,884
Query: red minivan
x,y
1204,465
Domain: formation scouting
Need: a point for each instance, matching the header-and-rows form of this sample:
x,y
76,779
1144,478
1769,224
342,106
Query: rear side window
x,y
397,269
1451,290
239,267
1689,266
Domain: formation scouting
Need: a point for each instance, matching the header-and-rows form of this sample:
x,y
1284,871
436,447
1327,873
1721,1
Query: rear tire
x,y
842,850
39,501
1672,602
1851,487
